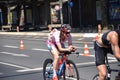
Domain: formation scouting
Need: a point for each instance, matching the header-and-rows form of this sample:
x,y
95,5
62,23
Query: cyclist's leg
x,y
55,53
69,70
102,71
100,60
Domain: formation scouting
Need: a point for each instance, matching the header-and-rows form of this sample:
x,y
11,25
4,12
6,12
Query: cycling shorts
x,y
53,46
100,53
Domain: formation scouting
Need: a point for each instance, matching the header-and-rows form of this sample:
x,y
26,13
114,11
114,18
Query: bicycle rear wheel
x,y
71,72
95,77
48,69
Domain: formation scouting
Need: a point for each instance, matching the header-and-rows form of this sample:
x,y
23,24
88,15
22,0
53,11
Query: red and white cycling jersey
x,y
54,38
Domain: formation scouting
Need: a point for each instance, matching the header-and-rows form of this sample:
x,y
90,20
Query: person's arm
x,y
58,43
61,48
69,40
114,45
73,48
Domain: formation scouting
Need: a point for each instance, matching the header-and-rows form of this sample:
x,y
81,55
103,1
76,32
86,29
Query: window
x,y
98,10
114,9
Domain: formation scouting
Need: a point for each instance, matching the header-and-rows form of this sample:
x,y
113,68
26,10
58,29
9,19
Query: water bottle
x,y
61,69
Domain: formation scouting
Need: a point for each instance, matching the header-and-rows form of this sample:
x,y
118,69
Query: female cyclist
x,y
55,44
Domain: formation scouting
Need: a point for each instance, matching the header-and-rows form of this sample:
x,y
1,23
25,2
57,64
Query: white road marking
x,y
80,39
89,63
13,65
10,46
87,56
113,58
37,49
25,69
79,53
45,37
78,64
1,73
14,54
81,42
71,78
34,69
82,47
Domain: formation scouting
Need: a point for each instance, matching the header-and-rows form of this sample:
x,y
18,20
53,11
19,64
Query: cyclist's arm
x,y
58,43
69,40
61,48
73,48
114,45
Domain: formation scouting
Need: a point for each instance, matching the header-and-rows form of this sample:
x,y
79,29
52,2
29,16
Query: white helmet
x,y
66,28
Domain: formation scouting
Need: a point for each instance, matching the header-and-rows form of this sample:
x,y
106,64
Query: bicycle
x,y
109,70
67,70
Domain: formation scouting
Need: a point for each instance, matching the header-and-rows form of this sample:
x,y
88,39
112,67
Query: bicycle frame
x,y
65,69
109,70
63,65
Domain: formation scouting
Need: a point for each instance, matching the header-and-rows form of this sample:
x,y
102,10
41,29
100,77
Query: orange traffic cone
x,y
86,50
22,44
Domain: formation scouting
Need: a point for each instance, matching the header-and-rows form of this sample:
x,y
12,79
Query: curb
x,y
23,33
46,33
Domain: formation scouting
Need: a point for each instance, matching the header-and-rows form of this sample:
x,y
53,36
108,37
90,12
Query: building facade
x,y
82,15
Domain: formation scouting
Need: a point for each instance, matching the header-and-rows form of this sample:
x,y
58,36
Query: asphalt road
x,y
26,64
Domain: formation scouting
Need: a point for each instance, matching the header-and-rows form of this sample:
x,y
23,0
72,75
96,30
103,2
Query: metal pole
x,y
61,14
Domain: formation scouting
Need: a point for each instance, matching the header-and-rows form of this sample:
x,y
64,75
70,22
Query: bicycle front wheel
x,y
71,72
48,69
95,77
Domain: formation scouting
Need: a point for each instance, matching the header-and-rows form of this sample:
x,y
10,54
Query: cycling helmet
x,y
66,28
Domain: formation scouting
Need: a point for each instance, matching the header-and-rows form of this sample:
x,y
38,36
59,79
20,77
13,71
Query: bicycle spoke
x,y
48,70
71,72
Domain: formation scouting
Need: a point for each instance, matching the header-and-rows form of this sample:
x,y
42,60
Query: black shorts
x,y
100,53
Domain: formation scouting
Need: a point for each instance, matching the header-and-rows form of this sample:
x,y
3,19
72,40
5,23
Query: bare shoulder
x,y
113,36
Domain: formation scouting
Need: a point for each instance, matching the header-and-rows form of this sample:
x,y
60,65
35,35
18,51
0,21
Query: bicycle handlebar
x,y
67,52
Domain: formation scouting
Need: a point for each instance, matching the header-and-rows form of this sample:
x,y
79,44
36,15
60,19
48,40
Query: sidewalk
x,y
45,33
